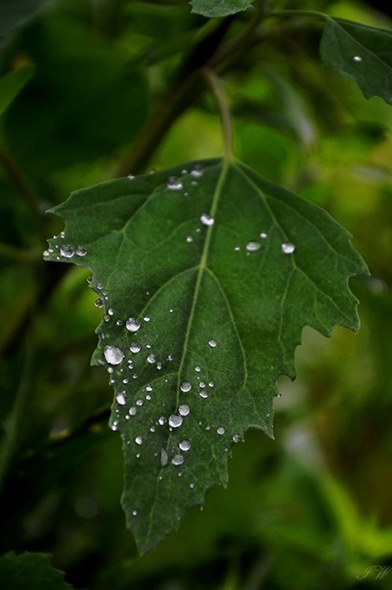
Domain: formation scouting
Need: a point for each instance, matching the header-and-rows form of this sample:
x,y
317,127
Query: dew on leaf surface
x,y
132,411
185,386
183,410
174,184
197,171
139,402
177,460
135,348
212,343
185,445
67,251
207,219
263,235
203,394
287,248
189,239
98,302
81,251
357,58
113,355
139,440
220,430
120,399
151,359
175,421
253,246
132,325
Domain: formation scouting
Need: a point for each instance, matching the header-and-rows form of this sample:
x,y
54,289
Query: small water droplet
x,y
185,445
131,177
175,421
197,171
148,388
119,323
134,512
253,246
81,251
210,384
111,311
177,460
151,359
237,248
197,369
287,248
146,318
139,440
148,397
189,239
236,438
114,426
203,394
185,386
220,430
67,251
357,58
135,348
132,325
98,302
121,399
161,420
183,410
191,485
212,343
46,253
164,458
113,355
139,402
174,184
132,411
207,219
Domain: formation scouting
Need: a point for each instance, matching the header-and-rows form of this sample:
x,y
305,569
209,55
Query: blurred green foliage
x,y
309,510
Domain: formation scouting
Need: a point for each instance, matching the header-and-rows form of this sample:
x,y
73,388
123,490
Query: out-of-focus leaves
x,y
362,53
15,13
83,102
218,8
12,83
30,571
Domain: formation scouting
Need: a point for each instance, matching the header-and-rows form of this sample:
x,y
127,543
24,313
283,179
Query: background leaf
x,y
220,8
11,84
15,14
30,570
362,53
208,274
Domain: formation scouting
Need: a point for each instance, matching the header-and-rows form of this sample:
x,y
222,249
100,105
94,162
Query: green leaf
x,y
362,53
208,274
11,84
220,8
14,14
30,571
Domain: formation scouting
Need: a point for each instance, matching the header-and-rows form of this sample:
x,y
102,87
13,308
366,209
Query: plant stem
x,y
217,89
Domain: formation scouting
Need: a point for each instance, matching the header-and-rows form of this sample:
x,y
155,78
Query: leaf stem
x,y
216,87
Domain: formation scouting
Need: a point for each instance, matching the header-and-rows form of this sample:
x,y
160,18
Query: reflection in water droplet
x,y
113,355
183,410
185,445
287,248
132,325
253,246
67,251
175,421
207,219
174,184
185,386
177,460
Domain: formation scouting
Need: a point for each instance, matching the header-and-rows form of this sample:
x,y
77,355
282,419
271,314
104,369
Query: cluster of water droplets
x,y
61,250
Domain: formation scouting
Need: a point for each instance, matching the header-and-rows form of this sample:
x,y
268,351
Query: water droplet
x,y
212,343
220,430
210,384
161,420
139,440
203,394
132,325
164,458
81,251
197,369
111,311
46,253
189,239
151,359
185,386
119,323
185,445
159,366
202,384
253,246
177,460
148,397
114,426
175,421
121,399
148,388
135,348
236,438
67,251
146,318
98,302
131,177
113,355
287,248
183,410
357,58
132,411
237,248
197,171
191,485
134,512
139,402
174,184
207,219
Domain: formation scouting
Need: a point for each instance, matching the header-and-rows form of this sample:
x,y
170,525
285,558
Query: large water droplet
x,y
81,251
185,445
207,219
183,410
287,248
132,325
253,246
185,386
174,184
177,460
139,440
67,251
113,355
121,399
175,421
